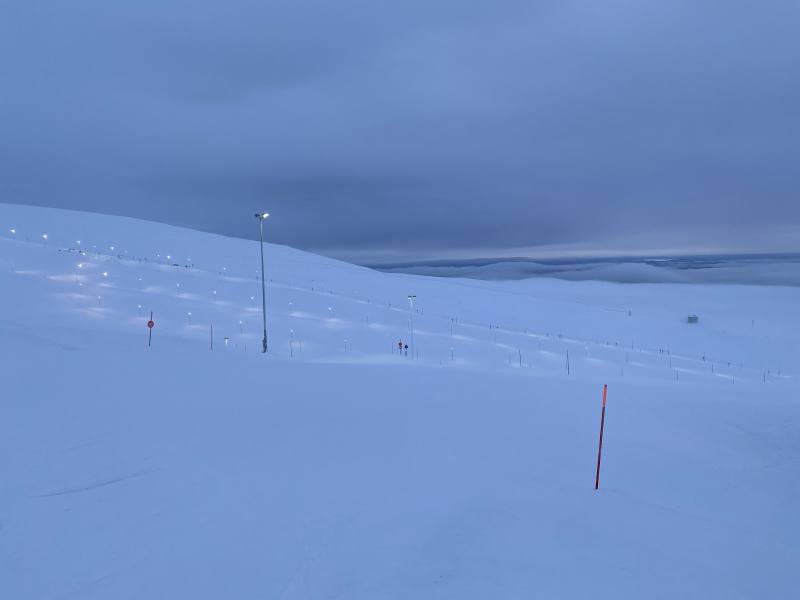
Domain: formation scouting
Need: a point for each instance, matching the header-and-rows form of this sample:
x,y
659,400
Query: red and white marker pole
x,y
150,325
600,447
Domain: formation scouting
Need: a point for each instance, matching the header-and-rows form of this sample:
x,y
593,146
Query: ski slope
x,y
335,467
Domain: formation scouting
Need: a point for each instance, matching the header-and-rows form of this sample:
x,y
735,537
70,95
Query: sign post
x,y
600,447
150,325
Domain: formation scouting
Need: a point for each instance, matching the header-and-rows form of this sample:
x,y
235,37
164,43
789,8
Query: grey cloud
x,y
414,128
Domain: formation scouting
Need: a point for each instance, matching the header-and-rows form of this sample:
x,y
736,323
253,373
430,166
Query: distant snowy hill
x,y
336,467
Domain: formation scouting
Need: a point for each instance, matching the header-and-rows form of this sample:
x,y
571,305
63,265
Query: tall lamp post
x,y
411,299
261,218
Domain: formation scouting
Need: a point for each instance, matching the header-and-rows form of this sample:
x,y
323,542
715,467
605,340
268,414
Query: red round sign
x,y
150,324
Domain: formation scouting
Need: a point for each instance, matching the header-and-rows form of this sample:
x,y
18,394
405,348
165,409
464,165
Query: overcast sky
x,y
414,129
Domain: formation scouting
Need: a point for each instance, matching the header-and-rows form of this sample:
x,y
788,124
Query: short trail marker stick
x,y
600,447
150,325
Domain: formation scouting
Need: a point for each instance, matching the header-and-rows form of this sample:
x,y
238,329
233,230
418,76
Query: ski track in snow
x,y
93,486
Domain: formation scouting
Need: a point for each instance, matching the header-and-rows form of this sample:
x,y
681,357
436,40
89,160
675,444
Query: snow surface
x,y
335,468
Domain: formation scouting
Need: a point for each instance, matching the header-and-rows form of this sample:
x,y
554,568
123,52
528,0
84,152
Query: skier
x,y
406,347
400,346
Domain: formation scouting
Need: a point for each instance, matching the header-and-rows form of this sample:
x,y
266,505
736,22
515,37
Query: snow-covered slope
x,y
334,467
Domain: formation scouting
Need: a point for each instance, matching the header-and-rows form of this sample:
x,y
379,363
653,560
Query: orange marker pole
x,y
600,447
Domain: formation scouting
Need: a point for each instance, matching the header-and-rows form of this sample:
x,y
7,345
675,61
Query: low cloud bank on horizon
x,y
783,271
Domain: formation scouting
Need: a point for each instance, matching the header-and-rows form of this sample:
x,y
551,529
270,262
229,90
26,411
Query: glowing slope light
x,y
44,236
105,273
13,231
